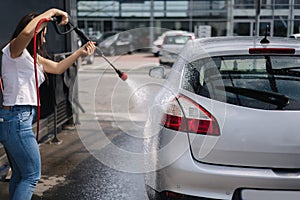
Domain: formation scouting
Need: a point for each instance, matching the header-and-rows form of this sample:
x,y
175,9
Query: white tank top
x,y
19,78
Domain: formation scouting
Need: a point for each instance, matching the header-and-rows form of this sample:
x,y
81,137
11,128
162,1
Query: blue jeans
x,y
17,137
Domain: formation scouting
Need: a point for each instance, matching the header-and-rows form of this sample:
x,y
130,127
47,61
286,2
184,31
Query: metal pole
x,y
191,16
230,21
55,139
257,17
291,17
151,36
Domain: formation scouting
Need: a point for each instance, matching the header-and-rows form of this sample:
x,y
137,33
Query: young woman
x,y
19,102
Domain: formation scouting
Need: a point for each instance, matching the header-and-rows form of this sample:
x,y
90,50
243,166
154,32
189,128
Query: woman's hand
x,y
59,67
64,15
88,48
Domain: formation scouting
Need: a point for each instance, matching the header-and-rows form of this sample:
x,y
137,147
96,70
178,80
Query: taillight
x,y
190,117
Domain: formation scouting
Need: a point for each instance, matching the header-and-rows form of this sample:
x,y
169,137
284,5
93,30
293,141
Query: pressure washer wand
x,y
122,75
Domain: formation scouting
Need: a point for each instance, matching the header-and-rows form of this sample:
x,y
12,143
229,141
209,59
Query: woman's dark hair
x,y
22,24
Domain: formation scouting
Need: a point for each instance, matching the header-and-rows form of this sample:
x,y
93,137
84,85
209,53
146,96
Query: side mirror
x,y
157,72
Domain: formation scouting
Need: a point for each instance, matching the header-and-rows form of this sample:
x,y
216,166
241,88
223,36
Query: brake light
x,y
271,50
193,118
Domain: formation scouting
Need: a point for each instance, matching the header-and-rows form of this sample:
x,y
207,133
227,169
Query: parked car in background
x,y
105,35
295,36
118,44
159,41
172,45
227,126
93,35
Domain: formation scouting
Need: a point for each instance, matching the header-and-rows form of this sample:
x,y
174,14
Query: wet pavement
x,y
70,172
85,177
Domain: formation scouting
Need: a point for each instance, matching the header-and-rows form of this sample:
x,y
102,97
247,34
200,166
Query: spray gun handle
x,y
57,19
81,35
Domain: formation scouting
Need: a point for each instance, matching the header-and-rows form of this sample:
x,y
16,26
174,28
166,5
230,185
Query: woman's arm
x,y
18,44
59,67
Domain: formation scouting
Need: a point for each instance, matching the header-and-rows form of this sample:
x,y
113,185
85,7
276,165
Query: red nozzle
x,y
123,76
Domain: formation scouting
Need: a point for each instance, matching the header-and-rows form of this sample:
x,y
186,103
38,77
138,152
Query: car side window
x,y
124,36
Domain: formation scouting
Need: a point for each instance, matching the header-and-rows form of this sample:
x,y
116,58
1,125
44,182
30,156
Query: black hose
x,y
71,27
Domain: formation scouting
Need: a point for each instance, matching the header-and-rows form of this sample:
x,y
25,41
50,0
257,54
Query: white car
x,y
226,123
295,36
172,45
159,41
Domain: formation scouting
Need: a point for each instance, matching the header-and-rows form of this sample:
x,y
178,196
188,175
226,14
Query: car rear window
x,y
178,39
262,82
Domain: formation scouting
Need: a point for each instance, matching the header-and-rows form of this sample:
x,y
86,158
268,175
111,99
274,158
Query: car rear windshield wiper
x,y
291,71
269,97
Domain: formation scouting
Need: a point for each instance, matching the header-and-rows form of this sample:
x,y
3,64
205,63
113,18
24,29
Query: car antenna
x,y
265,40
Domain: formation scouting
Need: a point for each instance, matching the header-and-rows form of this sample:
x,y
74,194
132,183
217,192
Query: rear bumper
x,y
189,177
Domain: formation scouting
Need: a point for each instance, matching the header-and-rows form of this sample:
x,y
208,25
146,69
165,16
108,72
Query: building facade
x,y
224,17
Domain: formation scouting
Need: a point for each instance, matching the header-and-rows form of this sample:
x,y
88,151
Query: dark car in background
x,y
118,44
105,35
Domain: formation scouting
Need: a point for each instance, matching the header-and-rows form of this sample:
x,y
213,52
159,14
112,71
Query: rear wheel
x,y
156,54
131,49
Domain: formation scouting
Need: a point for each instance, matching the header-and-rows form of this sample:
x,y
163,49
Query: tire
x,y
131,49
162,63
